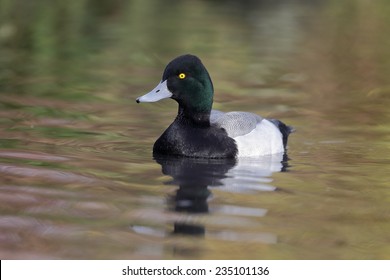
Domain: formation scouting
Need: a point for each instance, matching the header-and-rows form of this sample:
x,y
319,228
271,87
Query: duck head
x,y
186,80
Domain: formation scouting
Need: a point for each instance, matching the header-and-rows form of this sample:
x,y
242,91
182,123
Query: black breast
x,y
201,142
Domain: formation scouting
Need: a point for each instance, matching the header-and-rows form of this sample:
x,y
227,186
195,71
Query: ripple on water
x,y
47,175
18,154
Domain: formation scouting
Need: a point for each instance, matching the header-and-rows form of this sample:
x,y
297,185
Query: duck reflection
x,y
195,177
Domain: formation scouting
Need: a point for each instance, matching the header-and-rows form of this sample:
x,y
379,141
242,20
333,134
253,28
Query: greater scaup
x,y
199,131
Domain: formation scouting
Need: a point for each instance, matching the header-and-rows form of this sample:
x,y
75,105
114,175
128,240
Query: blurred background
x,y
77,176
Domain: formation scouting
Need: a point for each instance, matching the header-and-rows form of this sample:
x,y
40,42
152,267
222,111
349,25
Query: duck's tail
x,y
284,129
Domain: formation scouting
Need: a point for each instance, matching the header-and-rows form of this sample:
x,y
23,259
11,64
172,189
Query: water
x,y
77,177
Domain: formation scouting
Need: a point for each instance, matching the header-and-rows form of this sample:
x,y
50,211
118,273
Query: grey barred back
x,y
235,123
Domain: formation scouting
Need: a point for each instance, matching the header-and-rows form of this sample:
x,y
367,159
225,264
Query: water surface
x,y
77,176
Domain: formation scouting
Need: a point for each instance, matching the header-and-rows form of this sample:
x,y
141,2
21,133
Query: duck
x,y
199,131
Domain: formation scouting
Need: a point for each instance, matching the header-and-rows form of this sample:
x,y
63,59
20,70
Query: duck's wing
x,y
235,123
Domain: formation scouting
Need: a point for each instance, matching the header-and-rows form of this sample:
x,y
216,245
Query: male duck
x,y
201,132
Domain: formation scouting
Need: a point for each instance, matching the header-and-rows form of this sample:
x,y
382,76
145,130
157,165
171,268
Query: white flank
x,y
265,139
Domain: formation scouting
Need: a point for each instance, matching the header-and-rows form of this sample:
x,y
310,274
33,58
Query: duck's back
x,y
254,135
235,123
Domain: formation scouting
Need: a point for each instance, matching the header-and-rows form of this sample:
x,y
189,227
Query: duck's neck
x,y
194,118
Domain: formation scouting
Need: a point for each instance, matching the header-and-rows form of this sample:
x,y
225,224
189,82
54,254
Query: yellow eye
x,y
182,76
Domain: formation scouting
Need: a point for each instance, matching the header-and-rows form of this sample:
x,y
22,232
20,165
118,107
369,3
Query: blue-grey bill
x,y
161,91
